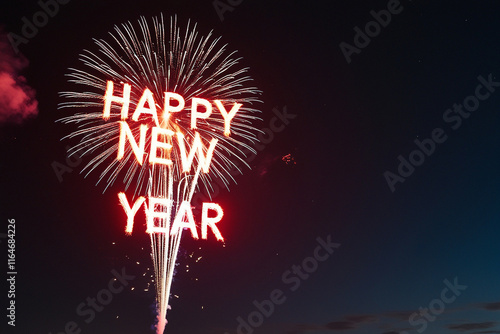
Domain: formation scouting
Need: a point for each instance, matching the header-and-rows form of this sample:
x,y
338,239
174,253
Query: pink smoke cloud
x,y
17,99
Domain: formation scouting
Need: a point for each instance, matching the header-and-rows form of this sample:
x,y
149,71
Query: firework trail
x,y
146,56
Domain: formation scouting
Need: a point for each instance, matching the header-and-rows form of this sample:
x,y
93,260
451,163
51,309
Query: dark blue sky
x,y
349,124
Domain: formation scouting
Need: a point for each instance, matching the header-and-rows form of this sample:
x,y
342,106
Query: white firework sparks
x,y
179,61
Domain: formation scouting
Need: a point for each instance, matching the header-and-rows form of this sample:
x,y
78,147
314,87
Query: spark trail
x,y
167,64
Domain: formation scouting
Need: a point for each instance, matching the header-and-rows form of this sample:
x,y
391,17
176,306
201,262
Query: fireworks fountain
x,y
135,70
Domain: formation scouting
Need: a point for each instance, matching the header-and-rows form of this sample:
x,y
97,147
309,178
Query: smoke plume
x,y
17,99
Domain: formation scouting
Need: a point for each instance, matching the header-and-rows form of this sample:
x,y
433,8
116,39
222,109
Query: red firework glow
x,y
169,112
184,217
184,213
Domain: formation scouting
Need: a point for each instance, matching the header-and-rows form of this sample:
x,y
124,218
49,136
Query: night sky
x,y
334,223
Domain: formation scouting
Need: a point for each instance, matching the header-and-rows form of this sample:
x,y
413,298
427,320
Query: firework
x,y
165,112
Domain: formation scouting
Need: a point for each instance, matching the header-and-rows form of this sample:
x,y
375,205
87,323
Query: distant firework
x,y
162,110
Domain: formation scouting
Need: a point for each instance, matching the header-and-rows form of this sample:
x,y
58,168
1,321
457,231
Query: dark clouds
x,y
361,318
356,321
302,328
347,323
473,325
491,306
340,325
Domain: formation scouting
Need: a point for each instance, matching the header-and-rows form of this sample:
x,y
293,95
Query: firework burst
x,y
146,56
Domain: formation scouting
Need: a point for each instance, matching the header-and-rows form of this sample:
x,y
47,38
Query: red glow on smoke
x,y
17,99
